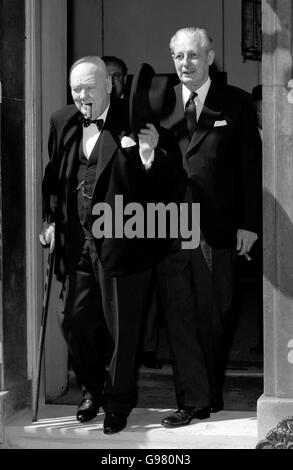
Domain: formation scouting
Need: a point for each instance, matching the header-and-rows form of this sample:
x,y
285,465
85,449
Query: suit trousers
x,y
183,329
94,302
213,278
221,263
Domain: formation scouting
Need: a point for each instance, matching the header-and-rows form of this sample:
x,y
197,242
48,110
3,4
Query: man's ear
x,y
211,56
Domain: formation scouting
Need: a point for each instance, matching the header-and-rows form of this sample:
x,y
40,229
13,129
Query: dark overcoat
x,y
222,161
119,172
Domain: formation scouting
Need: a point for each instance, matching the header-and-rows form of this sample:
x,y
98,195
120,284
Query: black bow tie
x,y
86,122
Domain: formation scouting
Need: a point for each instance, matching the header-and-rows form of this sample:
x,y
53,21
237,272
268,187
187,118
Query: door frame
x,y
33,170
46,51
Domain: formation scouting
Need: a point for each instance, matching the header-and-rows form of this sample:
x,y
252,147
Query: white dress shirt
x,y
199,99
91,135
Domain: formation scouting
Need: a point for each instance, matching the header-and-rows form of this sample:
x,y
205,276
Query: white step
x,y
57,428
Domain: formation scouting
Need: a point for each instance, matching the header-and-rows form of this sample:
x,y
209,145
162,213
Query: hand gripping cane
x,y
37,377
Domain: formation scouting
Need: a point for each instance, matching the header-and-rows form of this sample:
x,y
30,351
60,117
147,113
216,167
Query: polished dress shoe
x,y
114,422
87,410
183,416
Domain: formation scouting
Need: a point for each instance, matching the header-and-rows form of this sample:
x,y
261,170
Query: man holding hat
x,y
93,157
179,302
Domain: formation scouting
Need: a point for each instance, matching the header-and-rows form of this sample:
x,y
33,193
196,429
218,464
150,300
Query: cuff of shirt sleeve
x,y
148,163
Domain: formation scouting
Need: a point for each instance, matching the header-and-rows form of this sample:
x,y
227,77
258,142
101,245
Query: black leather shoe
x,y
114,422
216,405
183,416
87,410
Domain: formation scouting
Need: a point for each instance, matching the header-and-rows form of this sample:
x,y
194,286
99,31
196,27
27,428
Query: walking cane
x,y
37,378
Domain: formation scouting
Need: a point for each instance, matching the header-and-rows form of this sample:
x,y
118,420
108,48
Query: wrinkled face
x,y
118,79
90,85
192,60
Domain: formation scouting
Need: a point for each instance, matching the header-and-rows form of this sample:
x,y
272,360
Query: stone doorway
x,y
246,333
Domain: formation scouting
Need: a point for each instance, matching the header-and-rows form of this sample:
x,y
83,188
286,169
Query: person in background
x,y
117,70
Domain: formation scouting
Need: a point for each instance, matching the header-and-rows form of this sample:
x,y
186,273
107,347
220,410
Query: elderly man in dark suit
x,y
106,279
215,127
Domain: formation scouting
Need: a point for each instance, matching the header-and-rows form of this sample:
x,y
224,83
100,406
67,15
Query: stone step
x,y
234,369
57,428
156,389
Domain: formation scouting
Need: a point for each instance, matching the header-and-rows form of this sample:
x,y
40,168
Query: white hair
x,y
91,59
205,40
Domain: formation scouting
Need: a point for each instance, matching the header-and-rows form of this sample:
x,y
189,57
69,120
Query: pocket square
x,y
220,123
127,142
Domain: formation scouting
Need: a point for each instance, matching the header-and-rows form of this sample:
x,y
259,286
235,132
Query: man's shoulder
x,y
178,89
64,114
228,98
235,91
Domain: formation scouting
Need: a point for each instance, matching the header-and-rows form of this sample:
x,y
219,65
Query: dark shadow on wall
x,y
278,259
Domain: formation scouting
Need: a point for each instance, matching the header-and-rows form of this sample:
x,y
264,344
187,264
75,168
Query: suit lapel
x,y
211,111
175,119
106,148
205,124
71,138
106,145
176,122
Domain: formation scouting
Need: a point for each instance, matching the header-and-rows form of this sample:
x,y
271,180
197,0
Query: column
x,y
276,402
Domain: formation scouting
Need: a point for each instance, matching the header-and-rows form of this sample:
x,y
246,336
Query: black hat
x,y
151,98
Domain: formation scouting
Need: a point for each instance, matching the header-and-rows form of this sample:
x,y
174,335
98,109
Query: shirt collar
x,y
92,128
201,92
104,114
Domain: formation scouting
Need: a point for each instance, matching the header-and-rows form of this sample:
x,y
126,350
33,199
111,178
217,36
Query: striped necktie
x,y
190,113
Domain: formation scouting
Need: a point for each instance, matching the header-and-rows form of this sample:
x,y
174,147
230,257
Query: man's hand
x,y
148,139
47,237
245,241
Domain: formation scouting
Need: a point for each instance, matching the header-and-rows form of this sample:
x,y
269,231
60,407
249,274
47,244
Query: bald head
x,y
90,85
95,60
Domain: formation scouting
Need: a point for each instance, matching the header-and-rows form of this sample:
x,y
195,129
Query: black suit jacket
x,y
222,162
119,172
